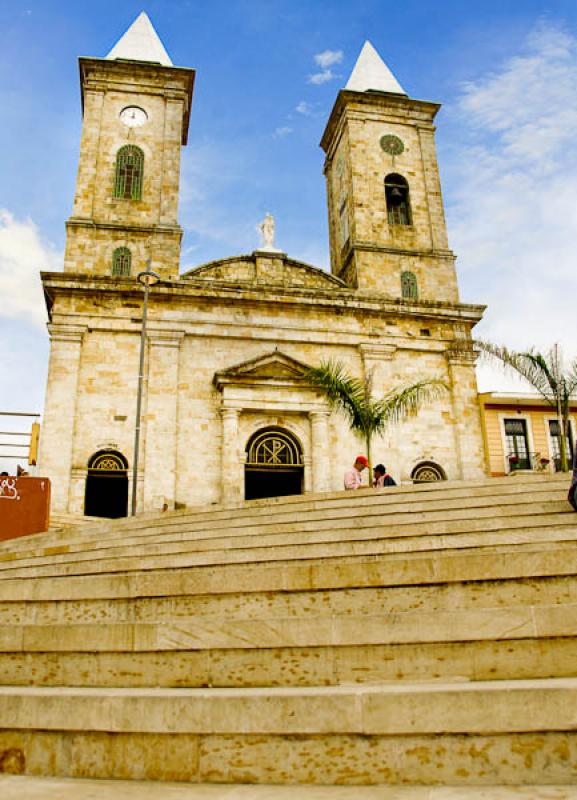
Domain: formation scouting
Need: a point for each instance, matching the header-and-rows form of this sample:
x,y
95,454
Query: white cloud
x,y
304,108
326,60
284,130
23,254
322,77
513,189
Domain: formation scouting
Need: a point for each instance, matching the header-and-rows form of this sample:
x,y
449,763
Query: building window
x,y
397,197
344,218
555,440
128,175
517,449
121,260
409,286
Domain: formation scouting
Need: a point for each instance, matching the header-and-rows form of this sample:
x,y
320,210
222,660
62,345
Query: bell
x,y
396,196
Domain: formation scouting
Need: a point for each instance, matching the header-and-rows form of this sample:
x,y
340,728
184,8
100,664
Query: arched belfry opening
x,y
106,492
397,197
274,464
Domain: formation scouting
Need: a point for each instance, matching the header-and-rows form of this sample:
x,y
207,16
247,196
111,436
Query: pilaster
x,y
320,450
231,468
161,420
58,426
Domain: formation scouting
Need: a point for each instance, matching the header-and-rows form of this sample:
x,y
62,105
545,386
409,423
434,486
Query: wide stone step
x,y
23,787
506,659
446,495
297,603
212,633
407,569
482,732
388,709
269,532
306,534
379,542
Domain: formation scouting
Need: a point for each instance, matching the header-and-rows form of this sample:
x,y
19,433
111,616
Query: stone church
x,y
226,413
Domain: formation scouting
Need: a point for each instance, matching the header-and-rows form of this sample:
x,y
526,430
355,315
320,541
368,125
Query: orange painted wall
x,y
24,506
537,427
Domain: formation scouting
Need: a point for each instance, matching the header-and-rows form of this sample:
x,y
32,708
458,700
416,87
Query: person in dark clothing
x,y
382,478
572,496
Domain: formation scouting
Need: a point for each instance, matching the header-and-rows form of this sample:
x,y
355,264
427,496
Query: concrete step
x,y
505,659
339,506
210,633
19,787
270,532
483,732
405,569
378,542
298,603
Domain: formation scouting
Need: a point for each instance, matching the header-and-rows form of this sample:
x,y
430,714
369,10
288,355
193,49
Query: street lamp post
x,y
147,279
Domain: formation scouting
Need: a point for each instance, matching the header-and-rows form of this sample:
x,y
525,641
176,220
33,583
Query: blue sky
x,y
506,73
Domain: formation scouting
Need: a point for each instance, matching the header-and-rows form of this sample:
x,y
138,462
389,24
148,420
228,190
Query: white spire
x,y
141,43
371,72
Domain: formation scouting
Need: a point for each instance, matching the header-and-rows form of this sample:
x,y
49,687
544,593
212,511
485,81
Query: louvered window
x,y
121,261
128,176
409,286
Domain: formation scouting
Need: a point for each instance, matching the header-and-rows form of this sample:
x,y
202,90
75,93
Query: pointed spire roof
x,y
371,72
141,43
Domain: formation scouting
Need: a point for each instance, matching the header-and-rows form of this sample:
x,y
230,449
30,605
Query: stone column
x,y
58,424
160,421
320,450
231,465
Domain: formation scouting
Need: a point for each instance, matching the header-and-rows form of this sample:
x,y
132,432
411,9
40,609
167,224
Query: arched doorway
x,y
274,464
106,485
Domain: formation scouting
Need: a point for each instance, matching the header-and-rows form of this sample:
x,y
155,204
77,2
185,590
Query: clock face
x,y
133,116
392,144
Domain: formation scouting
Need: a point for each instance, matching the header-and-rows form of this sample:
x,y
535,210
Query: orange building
x,y
521,431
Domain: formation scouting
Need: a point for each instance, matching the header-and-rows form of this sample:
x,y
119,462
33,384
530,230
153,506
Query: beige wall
x,y
195,334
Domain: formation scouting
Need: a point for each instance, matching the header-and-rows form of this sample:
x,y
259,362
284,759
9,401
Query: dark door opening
x,y
260,483
106,495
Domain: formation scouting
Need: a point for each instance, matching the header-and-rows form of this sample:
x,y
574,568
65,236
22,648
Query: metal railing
x,y
26,438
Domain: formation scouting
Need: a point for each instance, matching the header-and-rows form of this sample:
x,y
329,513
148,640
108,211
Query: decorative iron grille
x,y
108,462
428,471
273,449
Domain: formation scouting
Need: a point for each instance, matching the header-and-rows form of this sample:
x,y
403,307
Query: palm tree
x,y
368,416
546,373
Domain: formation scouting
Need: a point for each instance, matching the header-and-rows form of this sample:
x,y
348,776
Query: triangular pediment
x,y
275,366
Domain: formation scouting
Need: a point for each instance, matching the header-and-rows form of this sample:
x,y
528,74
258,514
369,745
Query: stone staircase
x,y
421,635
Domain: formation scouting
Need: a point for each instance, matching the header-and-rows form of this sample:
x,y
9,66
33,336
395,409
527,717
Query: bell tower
x,y
136,109
386,220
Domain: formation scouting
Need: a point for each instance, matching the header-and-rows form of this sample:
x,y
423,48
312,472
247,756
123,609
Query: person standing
x,y
353,479
381,477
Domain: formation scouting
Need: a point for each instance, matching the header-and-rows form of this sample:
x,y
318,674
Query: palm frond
x,y
354,397
406,400
536,368
343,392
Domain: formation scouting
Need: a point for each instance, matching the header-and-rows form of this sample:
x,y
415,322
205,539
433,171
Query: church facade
x,y
226,411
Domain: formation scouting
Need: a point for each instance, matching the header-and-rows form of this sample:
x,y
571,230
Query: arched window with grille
x,y
409,289
129,171
121,261
397,197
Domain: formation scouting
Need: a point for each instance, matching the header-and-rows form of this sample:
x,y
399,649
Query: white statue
x,y
266,230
